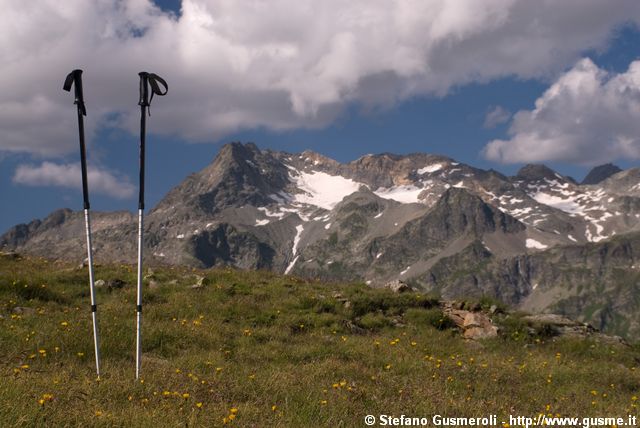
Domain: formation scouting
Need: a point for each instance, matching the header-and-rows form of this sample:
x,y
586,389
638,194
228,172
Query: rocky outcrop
x,y
474,325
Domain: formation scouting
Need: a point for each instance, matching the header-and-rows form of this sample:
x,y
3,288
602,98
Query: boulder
x,y
398,286
115,284
9,255
485,332
560,325
100,283
474,325
201,281
22,310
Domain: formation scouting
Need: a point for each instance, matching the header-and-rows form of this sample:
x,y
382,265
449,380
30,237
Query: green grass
x,y
254,340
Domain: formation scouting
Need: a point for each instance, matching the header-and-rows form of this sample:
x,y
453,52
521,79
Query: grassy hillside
x,y
257,349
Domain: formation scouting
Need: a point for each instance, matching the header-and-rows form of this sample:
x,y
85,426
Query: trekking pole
x,y
75,78
146,80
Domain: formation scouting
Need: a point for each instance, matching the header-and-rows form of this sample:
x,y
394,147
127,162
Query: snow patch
x,y
327,226
379,214
294,249
269,213
262,222
532,243
323,190
406,194
180,236
405,271
568,205
430,168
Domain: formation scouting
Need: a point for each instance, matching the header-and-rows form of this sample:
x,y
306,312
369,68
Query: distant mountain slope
x,y
426,219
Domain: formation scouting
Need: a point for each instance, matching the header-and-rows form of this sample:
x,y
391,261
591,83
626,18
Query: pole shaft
x,y
139,295
143,126
94,314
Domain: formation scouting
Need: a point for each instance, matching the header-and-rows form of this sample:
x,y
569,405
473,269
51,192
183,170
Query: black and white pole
x,y
146,80
75,79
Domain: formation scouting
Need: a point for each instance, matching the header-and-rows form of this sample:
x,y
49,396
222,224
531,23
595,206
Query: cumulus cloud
x,y
69,175
280,64
587,116
496,116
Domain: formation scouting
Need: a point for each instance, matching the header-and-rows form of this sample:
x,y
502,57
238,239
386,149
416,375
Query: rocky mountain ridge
x,y
537,240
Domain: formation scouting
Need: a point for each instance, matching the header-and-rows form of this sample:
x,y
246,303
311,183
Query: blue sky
x,y
421,100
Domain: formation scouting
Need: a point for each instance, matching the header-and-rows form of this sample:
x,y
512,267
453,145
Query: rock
x,y
457,316
610,340
475,325
484,332
100,283
398,286
173,282
9,255
115,283
153,285
354,329
473,319
558,325
84,264
553,319
493,309
397,323
201,281
21,310
347,304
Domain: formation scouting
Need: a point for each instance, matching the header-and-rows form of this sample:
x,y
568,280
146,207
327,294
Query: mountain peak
x,y
238,150
534,172
601,173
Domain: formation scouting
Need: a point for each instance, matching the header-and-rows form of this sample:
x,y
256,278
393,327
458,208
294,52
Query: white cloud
x,y
279,64
587,116
495,116
69,175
